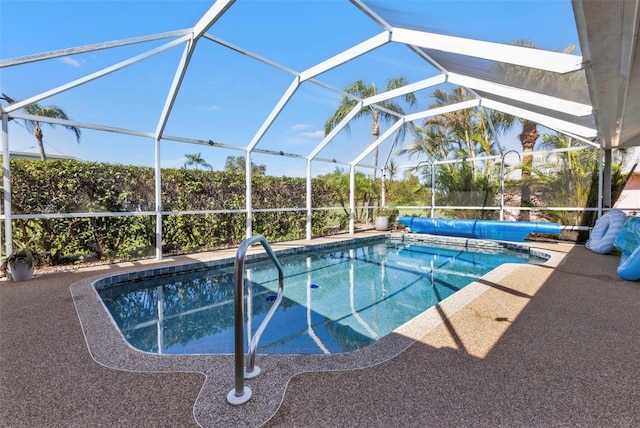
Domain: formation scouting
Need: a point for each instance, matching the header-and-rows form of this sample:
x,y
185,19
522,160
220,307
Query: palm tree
x,y
573,181
528,139
428,140
361,90
539,81
363,189
392,169
34,126
567,177
238,164
456,135
196,160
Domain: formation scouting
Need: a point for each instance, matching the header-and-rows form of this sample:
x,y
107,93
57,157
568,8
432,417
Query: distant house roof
x,y
33,153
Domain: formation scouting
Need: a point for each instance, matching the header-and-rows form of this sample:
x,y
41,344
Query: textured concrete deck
x,y
550,345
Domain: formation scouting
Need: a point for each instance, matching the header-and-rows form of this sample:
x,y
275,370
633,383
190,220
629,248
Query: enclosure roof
x,y
609,89
593,96
608,33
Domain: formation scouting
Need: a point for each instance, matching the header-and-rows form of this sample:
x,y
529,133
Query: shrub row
x,y
71,186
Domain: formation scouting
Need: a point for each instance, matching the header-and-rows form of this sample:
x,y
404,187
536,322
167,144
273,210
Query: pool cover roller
x,y
479,229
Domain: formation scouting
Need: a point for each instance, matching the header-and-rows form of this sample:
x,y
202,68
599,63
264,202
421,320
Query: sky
x,y
226,96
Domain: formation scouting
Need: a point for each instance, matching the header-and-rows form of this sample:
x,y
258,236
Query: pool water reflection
x,y
335,300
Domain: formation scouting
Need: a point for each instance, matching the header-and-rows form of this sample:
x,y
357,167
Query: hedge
x,y
72,186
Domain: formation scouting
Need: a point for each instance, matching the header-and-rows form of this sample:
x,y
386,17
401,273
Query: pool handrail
x,y
241,393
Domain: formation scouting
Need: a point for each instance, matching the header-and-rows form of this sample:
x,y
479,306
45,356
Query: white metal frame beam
x,y
327,139
83,125
412,117
250,54
89,48
510,54
550,122
293,87
175,87
345,56
529,97
407,89
218,9
413,87
21,104
442,110
371,14
386,134
6,183
201,27
415,40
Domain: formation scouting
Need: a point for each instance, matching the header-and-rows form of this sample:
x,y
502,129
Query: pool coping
x,y
108,347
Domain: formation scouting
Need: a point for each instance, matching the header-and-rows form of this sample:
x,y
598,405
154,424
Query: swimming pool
x,y
336,298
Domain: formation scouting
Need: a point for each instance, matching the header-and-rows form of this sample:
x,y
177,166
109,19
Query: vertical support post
x,y
158,197
606,181
309,201
502,181
502,189
431,164
6,182
600,180
352,200
248,201
433,189
383,198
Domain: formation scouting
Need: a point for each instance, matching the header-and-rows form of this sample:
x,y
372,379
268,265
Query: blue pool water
x,y
335,300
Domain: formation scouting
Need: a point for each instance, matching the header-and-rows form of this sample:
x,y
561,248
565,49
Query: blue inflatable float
x,y
605,231
479,229
628,243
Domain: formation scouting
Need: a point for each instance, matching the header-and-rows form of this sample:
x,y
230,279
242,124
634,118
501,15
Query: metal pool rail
x,y
241,393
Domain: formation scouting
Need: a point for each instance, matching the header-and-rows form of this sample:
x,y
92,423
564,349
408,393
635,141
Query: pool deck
x,y
527,345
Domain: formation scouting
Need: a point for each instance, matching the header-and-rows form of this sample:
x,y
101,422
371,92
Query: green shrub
x,y
71,186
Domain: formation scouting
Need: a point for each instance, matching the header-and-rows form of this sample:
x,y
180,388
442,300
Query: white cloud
x,y
173,163
302,130
313,134
214,107
300,127
70,61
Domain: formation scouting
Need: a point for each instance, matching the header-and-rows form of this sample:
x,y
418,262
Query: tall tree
x,y
456,135
196,160
340,180
239,163
392,169
453,135
34,126
572,180
539,81
361,90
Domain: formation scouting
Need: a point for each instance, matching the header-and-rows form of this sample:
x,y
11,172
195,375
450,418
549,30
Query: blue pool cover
x,y
479,229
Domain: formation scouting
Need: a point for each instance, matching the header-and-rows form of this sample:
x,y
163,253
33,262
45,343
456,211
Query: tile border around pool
x,y
139,275
108,347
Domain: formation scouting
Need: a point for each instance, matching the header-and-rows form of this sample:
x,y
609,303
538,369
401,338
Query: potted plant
x,y
20,264
382,219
